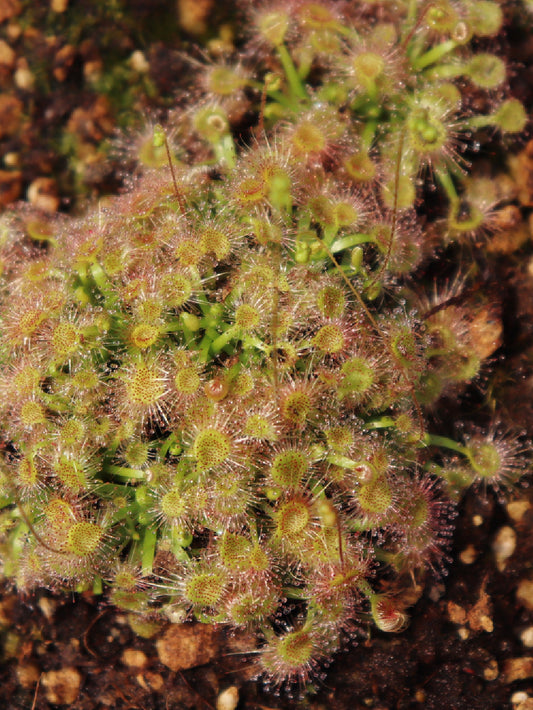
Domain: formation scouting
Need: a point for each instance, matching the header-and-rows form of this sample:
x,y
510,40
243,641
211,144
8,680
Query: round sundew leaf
x,y
329,339
292,518
84,538
144,335
187,380
296,648
211,447
288,468
65,339
375,496
205,588
145,386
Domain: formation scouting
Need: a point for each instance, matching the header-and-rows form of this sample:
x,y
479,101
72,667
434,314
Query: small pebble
x,y
485,623
521,701
47,607
184,646
228,699
42,193
11,109
12,160
516,509
503,546
527,637
138,62
92,70
134,658
8,9
491,671
28,674
14,30
519,697
24,78
10,186
477,520
63,686
524,593
456,613
58,5
468,555
518,669
150,681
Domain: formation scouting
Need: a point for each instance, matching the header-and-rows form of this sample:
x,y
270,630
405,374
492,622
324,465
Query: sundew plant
x,y
218,389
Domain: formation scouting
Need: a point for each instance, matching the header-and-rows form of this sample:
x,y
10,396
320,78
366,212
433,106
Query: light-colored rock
x,y
63,686
185,646
491,670
503,546
58,5
42,193
463,633
524,593
516,509
150,681
527,637
28,674
456,613
521,701
228,699
24,78
48,607
517,669
138,62
134,658
468,555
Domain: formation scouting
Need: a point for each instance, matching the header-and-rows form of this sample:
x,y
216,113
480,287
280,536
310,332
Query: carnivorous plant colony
x,y
218,388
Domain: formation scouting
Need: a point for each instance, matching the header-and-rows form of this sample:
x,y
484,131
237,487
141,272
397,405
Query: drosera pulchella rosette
x,y
221,391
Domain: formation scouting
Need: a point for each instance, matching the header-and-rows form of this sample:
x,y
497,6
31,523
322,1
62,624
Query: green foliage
x,y
223,372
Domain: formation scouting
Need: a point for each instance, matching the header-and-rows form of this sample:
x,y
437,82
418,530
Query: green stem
x,y
163,451
173,326
368,134
330,233
446,182
444,442
205,346
123,472
148,550
434,54
444,71
478,122
102,282
293,78
225,151
224,339
342,461
381,423
350,240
